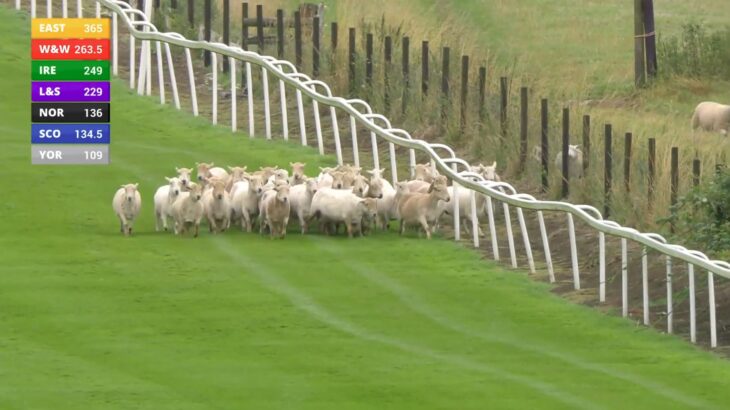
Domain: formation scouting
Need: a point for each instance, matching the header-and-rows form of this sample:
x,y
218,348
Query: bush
x,y
702,217
696,52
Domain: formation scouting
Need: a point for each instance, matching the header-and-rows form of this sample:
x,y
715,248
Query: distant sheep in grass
x,y
127,203
165,196
274,210
188,210
217,204
341,206
300,200
712,116
423,209
575,162
245,200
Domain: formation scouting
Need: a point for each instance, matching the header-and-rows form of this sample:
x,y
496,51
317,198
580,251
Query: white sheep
x,y
575,162
245,200
425,172
297,173
127,203
236,175
341,206
488,172
274,210
183,174
165,196
208,171
217,204
423,209
381,189
188,210
712,116
300,200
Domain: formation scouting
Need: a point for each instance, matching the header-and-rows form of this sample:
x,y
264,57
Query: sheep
x,y
712,116
424,172
385,193
297,173
417,207
341,206
488,172
183,174
245,200
324,179
164,198
418,185
237,174
267,172
300,200
217,204
206,171
127,203
279,175
274,211
188,210
465,217
359,186
575,161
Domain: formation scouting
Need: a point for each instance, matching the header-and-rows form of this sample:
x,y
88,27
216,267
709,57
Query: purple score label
x,y
70,91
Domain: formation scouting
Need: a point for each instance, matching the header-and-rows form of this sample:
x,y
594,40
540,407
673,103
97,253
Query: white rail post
x,y
573,252
510,237
132,55
601,267
526,240
645,284
234,110
412,162
376,154
355,149
474,219
49,9
115,45
455,201
148,12
171,73
624,278
336,131
692,311
98,10
267,107
64,8
492,228
711,296
393,165
142,73
17,4
318,127
284,114
249,96
160,73
214,71
670,306
191,77
79,9
546,247
302,125
33,7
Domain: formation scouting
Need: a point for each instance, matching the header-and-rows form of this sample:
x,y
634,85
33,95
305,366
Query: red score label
x,y
78,49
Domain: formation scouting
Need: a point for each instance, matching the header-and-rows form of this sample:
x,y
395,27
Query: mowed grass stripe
x,y
89,319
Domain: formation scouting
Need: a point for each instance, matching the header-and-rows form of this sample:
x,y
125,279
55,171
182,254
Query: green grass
x,y
92,320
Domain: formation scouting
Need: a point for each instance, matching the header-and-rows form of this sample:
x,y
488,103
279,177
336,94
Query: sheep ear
x,y
291,164
136,184
177,169
123,186
276,167
211,164
168,179
230,168
494,164
197,164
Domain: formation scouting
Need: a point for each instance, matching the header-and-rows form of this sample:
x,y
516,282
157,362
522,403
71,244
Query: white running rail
x,y
360,113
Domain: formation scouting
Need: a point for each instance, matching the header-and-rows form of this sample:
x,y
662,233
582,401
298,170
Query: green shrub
x,y
695,52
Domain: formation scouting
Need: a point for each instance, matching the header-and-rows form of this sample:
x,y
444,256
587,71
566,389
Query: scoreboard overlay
x,y
70,91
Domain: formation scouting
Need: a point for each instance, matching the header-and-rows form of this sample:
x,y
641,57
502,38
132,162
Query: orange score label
x,y
60,28
87,49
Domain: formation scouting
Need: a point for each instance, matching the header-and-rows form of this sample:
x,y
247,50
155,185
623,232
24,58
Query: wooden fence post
x,y
226,29
445,65
586,142
674,184
280,33
388,51
482,94
244,31
544,143
523,129
173,4
503,106
424,69
260,27
406,73
191,13
565,152
298,39
464,90
608,171
696,172
334,31
206,29
650,38
639,62
369,61
352,56
315,46
652,174
627,162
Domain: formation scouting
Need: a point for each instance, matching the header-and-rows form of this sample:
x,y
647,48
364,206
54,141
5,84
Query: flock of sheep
x,y
270,197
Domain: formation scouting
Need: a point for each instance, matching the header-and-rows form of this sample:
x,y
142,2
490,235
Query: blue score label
x,y
70,133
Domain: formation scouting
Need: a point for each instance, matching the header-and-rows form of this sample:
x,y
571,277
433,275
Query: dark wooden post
x,y
565,152
586,142
315,46
280,33
639,62
503,106
352,56
406,73
464,90
608,171
260,27
157,4
173,4
369,60
298,39
244,26
652,173
191,13
388,51
424,69
226,30
675,183
650,38
445,65
482,94
334,31
627,162
206,29
523,128
696,173
544,143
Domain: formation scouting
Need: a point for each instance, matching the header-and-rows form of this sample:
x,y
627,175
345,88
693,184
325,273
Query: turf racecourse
x,y
92,320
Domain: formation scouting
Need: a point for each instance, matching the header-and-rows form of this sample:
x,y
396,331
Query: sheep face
x,y
219,189
359,185
376,173
184,175
204,170
256,184
129,192
488,172
439,191
423,172
368,207
297,170
312,186
237,173
282,192
338,179
267,172
196,191
401,187
175,186
376,187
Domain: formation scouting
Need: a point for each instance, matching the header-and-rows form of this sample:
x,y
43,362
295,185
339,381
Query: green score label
x,y
70,70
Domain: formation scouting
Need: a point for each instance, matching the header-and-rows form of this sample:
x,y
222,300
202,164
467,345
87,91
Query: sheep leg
x,y
402,227
283,227
197,228
349,229
157,221
302,223
246,222
123,219
424,224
